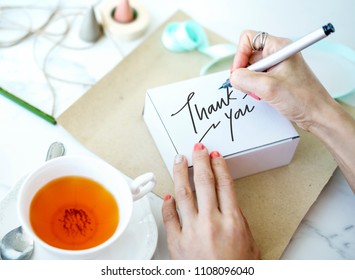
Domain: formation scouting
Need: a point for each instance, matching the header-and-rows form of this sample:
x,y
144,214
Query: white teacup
x,y
50,222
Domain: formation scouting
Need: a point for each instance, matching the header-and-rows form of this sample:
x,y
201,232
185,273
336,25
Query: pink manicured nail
x,y
167,197
215,154
199,147
253,95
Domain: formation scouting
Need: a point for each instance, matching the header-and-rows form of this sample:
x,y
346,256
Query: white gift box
x,y
250,134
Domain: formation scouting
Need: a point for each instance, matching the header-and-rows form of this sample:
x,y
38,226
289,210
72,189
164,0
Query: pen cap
x,y
329,28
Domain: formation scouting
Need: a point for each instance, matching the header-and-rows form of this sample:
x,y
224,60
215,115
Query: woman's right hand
x,y
290,87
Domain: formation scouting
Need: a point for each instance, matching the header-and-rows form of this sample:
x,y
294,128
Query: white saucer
x,y
138,242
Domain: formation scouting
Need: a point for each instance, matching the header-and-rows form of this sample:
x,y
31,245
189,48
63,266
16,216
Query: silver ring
x,y
262,39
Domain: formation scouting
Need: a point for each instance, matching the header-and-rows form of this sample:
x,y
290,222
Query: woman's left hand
x,y
212,226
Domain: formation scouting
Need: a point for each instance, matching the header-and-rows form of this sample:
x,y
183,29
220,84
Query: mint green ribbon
x,y
188,36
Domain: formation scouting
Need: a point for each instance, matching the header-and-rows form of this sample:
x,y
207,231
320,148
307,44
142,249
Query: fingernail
x,y
167,197
199,147
253,95
215,154
178,159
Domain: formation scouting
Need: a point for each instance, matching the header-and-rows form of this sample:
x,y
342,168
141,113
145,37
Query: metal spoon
x,y
16,245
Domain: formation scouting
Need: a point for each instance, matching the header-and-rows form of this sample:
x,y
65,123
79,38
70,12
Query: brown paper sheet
x,y
108,121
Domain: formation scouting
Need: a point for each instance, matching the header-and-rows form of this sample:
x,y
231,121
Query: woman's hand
x,y
290,87
212,226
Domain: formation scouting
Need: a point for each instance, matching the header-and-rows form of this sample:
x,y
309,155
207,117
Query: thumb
x,y
250,82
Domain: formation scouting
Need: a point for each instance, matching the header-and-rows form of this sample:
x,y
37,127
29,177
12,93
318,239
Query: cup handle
x,y
142,185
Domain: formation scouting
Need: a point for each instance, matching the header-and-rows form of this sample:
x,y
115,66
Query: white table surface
x,y
328,229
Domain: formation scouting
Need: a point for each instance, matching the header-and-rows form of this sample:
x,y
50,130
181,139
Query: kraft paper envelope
x,y
108,120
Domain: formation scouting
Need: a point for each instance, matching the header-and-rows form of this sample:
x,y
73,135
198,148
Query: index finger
x,y
183,191
244,51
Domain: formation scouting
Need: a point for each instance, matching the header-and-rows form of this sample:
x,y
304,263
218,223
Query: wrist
x,y
329,122
337,132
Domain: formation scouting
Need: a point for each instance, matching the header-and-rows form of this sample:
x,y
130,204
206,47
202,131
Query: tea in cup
x,y
76,206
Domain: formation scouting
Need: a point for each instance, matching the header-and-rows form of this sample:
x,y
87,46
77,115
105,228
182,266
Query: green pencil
x,y
28,106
